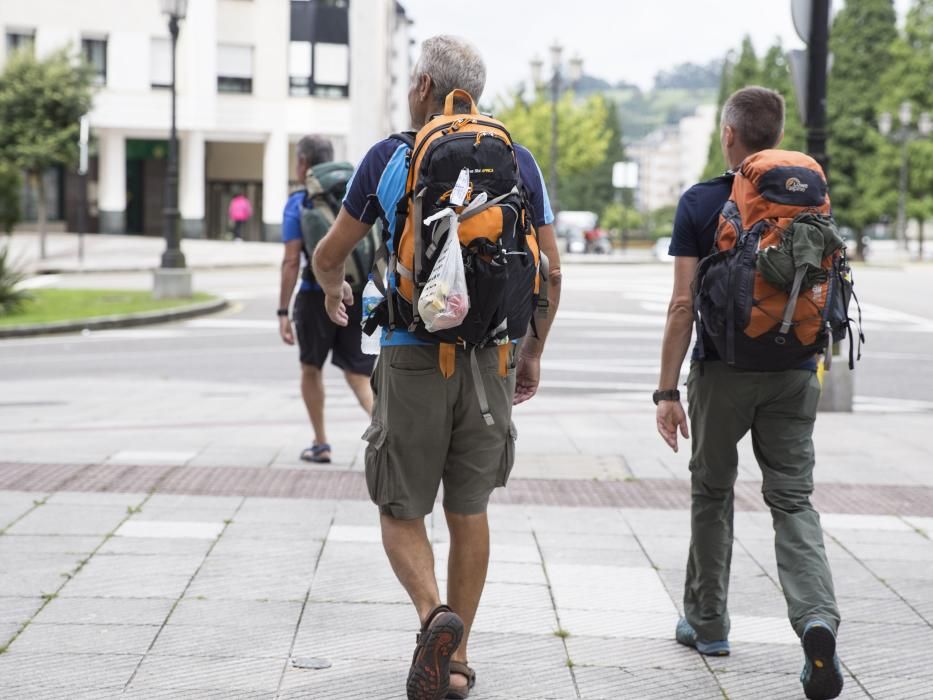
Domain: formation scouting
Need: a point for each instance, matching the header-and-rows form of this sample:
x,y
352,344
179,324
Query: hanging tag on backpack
x,y
459,192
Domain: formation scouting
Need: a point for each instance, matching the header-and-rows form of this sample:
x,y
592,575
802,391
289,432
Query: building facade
x,y
672,158
252,77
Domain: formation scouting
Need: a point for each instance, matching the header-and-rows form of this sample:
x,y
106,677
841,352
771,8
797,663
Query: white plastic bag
x,y
444,301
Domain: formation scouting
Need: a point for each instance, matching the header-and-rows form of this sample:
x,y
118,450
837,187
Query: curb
x,y
98,323
51,270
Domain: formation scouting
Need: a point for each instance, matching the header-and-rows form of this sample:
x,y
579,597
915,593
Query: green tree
x,y
908,79
622,220
585,140
41,102
743,72
10,187
861,41
592,190
775,74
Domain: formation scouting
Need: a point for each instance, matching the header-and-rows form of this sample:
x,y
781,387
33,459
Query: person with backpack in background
x,y
456,197
307,217
240,211
760,268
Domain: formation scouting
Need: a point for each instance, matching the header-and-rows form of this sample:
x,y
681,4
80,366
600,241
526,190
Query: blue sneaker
x,y
687,636
822,673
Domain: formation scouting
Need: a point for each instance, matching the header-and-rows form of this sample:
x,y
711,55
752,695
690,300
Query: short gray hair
x,y
315,149
452,63
757,116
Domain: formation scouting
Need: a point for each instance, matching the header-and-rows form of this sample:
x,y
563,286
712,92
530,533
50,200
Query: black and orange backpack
x,y
758,319
498,241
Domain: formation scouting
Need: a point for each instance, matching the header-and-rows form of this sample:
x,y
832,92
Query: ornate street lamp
x,y
172,258
904,136
574,72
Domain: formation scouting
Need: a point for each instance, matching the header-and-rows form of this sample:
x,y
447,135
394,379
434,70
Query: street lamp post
x,y
556,85
904,136
172,258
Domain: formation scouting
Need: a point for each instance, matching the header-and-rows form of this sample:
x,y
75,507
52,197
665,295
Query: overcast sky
x,y
618,39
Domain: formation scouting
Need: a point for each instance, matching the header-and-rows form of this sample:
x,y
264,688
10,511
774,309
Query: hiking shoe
x,y
687,636
822,673
429,676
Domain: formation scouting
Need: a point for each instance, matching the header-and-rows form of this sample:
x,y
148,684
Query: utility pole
x,y
817,68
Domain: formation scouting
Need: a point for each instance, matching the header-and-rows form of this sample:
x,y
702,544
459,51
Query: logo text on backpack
x,y
795,185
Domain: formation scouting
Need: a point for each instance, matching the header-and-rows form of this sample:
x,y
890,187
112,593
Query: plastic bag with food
x,y
444,301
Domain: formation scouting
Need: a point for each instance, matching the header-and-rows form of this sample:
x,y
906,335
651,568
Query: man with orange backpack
x,y
760,270
468,230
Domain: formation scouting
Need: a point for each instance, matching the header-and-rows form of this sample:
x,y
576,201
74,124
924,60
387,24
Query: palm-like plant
x,y
12,298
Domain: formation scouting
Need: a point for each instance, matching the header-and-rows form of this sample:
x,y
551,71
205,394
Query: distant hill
x,y
676,93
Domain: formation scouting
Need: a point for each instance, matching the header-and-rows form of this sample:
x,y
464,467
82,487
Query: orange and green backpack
x,y
775,289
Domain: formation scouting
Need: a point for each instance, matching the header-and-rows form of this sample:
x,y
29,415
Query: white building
x,y
253,77
672,158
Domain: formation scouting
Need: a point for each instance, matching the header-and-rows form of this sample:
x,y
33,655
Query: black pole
x,y
172,257
818,56
555,96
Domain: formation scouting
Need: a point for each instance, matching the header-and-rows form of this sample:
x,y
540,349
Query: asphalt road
x,y
606,340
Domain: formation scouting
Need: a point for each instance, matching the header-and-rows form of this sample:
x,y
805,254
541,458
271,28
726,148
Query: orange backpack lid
x,y
778,184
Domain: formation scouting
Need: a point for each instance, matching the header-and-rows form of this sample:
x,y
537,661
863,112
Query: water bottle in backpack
x,y
371,298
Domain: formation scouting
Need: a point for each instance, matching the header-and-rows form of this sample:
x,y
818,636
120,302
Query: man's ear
x,y
728,136
780,139
425,85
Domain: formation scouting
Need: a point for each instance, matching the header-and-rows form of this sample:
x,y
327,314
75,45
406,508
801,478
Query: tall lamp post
x,y
574,72
172,278
904,136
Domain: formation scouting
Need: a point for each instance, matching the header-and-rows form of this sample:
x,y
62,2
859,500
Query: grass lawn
x,y
48,305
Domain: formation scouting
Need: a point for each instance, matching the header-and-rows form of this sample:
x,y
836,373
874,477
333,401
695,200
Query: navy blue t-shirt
x,y
694,233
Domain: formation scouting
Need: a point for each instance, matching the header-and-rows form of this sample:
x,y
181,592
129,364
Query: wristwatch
x,y
665,395
281,312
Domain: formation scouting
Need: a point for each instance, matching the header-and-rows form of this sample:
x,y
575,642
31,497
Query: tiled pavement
x,y
179,596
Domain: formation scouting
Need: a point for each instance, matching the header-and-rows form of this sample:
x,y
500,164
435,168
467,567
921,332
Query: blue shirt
x,y
291,230
694,233
383,172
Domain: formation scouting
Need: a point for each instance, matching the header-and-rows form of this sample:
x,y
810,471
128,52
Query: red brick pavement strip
x,y
334,485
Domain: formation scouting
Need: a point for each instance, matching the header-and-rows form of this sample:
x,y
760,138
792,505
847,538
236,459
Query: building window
x,y
160,62
299,68
20,39
234,68
95,53
320,53
331,70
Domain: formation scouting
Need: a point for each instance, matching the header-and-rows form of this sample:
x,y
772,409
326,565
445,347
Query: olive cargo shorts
x,y
427,429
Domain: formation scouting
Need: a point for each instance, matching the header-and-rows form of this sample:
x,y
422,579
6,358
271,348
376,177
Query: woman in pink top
x,y
240,211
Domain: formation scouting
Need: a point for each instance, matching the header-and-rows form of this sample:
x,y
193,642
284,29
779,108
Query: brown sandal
x,y
464,670
429,677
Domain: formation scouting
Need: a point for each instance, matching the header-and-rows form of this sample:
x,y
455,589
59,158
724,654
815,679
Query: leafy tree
x,y
736,74
906,80
591,189
861,41
10,186
775,74
587,135
41,103
622,220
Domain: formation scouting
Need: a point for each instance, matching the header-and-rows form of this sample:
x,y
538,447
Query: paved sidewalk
x,y
176,596
116,253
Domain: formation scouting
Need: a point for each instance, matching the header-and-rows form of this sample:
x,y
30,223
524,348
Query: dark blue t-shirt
x,y
694,233
379,183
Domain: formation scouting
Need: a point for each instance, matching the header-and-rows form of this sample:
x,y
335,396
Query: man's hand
x,y
671,416
527,376
286,330
337,305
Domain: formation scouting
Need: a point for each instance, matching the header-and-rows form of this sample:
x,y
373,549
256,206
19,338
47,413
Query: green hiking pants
x,y
779,408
